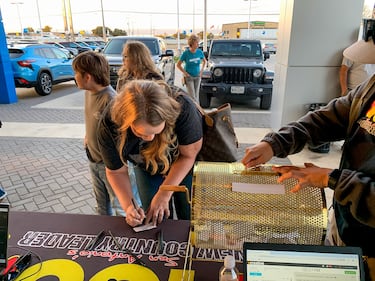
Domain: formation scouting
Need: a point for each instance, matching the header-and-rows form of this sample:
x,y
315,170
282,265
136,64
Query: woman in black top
x,y
161,134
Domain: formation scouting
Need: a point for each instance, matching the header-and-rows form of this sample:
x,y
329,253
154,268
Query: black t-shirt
x,y
188,130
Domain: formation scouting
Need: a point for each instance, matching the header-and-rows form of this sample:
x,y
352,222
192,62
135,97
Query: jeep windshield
x,y
236,49
115,46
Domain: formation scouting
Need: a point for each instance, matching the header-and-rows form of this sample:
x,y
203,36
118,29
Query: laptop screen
x,y
4,215
285,262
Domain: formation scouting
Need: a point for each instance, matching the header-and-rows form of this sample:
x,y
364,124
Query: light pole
x,y
40,22
248,22
103,28
19,16
178,28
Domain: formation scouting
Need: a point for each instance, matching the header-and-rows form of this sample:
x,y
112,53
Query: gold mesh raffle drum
x,y
259,210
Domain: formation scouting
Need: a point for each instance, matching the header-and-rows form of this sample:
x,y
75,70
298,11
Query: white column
x,y
312,36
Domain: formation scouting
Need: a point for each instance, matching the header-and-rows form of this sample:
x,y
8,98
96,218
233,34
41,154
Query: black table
x,y
61,241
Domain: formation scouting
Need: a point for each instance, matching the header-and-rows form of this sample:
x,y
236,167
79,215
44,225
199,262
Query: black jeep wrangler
x,y
235,72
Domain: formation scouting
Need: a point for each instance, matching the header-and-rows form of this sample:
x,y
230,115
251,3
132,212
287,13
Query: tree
x,y
118,32
98,31
182,36
47,28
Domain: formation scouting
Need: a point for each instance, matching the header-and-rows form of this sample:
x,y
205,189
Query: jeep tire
x,y
204,100
265,101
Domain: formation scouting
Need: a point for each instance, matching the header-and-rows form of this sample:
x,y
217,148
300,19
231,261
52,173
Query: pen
x,y
137,260
134,204
136,207
93,242
160,241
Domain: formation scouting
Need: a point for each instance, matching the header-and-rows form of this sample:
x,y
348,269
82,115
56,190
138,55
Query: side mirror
x,y
169,53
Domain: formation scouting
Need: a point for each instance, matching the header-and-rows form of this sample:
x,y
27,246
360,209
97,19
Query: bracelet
x,y
333,177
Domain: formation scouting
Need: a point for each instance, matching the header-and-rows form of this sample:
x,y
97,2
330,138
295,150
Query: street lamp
x,y
40,22
103,28
19,16
248,22
178,28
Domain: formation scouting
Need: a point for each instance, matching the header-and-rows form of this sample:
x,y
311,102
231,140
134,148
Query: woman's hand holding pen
x,y
134,214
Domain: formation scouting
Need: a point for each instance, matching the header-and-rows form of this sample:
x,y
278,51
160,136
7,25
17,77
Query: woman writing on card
x,y
161,134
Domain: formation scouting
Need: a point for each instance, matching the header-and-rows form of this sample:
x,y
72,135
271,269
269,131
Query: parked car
x,y
235,71
84,44
269,48
162,57
94,45
76,46
73,51
40,66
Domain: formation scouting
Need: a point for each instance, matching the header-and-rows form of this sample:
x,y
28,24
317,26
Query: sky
x,y
147,16
139,16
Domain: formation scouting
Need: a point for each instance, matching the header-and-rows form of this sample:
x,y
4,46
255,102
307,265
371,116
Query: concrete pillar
x,y
312,36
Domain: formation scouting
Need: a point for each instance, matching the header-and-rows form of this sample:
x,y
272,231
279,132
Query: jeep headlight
x,y
218,72
257,73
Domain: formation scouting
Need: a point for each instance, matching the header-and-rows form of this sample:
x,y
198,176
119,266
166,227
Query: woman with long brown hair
x,y
161,134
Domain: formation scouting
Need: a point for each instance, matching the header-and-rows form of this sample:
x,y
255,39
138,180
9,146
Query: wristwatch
x,y
333,177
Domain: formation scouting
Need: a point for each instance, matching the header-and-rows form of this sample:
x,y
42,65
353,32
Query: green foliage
x,y
119,32
98,31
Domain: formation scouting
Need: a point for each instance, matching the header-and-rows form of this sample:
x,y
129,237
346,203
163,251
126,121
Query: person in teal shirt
x,y
194,63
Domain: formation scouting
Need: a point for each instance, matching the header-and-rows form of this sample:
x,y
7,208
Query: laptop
x,y
286,262
4,217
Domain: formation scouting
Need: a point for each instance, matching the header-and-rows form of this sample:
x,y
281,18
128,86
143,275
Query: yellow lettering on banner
x,y
176,275
131,272
64,270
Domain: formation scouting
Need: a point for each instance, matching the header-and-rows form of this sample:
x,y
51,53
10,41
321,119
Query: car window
x,y
59,54
39,52
47,53
163,46
115,46
15,53
153,46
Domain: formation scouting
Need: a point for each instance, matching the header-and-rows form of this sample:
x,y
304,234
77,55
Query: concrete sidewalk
x,y
43,166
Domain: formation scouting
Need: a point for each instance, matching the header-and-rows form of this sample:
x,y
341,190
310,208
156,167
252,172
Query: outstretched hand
x,y
257,154
310,175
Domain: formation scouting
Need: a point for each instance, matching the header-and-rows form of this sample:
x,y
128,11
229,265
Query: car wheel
x,y
44,84
204,100
265,101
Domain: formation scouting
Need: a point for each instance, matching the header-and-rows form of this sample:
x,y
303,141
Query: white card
x,y
144,227
258,188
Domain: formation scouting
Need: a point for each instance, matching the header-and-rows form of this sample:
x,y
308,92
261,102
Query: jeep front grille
x,y
237,75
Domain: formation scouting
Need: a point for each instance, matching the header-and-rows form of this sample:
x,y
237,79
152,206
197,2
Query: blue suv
x,y
40,66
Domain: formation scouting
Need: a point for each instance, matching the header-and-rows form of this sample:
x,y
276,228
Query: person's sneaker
x,y
3,194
